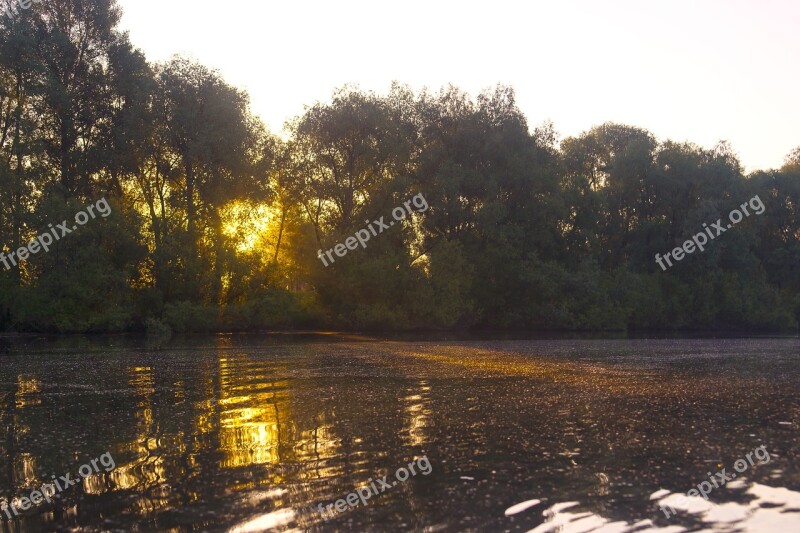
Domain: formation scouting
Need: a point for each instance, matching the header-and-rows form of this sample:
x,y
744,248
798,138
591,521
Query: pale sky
x,y
696,70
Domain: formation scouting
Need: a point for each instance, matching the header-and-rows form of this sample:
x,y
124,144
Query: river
x,y
259,433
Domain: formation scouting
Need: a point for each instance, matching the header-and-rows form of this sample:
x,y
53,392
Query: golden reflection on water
x,y
28,390
244,410
417,411
148,470
250,423
315,446
25,468
24,465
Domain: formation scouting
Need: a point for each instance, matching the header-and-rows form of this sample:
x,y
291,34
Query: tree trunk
x,y
280,233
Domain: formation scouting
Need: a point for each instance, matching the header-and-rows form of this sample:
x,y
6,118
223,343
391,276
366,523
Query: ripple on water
x,y
768,510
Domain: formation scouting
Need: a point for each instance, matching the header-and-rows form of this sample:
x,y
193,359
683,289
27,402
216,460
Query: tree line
x,y
217,222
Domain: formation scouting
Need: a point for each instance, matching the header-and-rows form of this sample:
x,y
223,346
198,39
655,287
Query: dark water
x,y
248,434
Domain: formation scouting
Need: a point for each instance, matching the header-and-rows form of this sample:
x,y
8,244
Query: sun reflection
x,y
417,413
240,415
250,424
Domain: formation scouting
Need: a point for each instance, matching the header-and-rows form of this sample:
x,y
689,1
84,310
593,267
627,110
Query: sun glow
x,y
254,227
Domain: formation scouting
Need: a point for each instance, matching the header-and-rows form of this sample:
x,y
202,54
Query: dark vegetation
x,y
216,222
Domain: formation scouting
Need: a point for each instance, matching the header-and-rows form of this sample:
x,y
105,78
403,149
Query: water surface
x,y
253,433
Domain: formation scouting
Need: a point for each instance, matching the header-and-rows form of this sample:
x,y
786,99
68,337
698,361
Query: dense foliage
x,y
216,222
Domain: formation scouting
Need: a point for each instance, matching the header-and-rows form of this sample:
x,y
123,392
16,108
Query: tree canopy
x,y
217,222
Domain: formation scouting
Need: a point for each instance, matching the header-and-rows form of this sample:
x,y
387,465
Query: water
x,y
252,433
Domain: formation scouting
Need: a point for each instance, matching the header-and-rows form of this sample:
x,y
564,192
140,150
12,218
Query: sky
x,y
687,70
